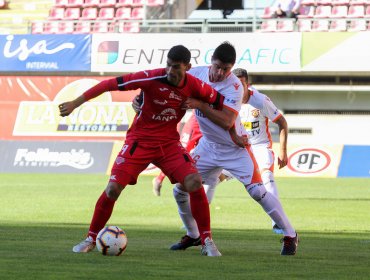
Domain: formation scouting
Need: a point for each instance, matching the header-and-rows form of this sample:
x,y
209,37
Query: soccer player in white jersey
x,y
217,149
256,123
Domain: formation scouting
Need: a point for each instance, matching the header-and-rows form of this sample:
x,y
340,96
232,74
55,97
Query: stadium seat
x,y
304,25
101,27
66,27
51,27
107,3
123,13
340,2
37,27
83,27
137,3
338,25
285,25
128,27
360,2
155,3
356,11
106,14
323,2
56,13
339,12
367,12
323,12
320,25
61,3
357,25
89,13
269,26
267,12
306,11
308,2
72,13
124,3
91,3
137,13
75,3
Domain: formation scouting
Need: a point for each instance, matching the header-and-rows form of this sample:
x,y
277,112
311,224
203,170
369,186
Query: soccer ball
x,y
111,241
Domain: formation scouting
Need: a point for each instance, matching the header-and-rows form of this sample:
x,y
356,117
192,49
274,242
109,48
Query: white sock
x,y
210,191
183,205
272,207
270,185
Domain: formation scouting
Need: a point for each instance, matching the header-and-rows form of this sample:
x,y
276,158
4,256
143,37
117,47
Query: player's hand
x,y
135,104
282,160
66,108
192,103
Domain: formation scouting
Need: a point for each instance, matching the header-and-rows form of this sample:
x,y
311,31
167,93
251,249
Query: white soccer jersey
x,y
232,89
255,116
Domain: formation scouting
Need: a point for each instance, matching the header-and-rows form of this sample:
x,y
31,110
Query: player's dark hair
x,y
179,53
225,53
240,72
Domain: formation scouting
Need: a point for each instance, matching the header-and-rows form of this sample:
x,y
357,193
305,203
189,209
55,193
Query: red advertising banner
x,y
29,109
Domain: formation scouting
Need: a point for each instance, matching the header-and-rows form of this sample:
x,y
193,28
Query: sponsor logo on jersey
x,y
308,161
166,115
251,125
175,96
163,89
231,101
236,86
156,101
44,157
199,113
255,113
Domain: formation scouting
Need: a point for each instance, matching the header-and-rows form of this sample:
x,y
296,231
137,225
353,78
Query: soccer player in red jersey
x,y
153,138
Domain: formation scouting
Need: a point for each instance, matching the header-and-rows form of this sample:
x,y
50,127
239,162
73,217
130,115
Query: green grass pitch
x,y
43,216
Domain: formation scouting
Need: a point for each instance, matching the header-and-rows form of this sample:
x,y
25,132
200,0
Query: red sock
x,y
200,210
102,213
161,177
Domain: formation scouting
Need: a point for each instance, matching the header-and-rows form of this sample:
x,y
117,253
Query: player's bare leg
x,y
157,184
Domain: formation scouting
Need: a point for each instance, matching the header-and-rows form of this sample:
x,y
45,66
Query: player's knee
x,y
256,191
113,190
192,182
179,194
267,177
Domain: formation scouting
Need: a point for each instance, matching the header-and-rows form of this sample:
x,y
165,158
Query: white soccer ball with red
x,y
111,241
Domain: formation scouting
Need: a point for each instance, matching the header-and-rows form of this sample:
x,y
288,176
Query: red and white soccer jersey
x,y
161,108
232,90
216,150
255,116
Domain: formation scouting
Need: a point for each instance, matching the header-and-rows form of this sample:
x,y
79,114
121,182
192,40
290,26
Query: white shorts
x,y
264,156
212,158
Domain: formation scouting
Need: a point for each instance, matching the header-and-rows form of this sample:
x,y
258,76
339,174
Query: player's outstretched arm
x,y
67,108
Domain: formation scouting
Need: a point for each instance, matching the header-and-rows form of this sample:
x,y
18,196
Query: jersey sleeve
x,y
138,80
206,93
270,110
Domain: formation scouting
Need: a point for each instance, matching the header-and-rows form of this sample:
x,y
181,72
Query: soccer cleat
x,y
186,242
209,248
85,246
290,245
277,230
157,185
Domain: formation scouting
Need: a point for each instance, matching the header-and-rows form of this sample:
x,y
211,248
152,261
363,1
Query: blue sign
x,y
355,162
45,53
